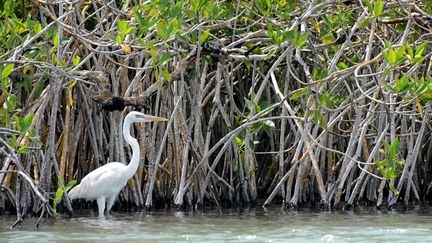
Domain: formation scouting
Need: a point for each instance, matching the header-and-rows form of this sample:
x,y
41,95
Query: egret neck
x,y
133,164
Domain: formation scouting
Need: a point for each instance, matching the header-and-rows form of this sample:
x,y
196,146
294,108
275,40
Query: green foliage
x,y
61,190
300,39
319,118
76,60
124,29
24,123
378,7
205,35
7,70
264,6
161,31
398,56
428,6
166,75
297,94
10,116
16,27
266,126
394,56
391,166
326,99
408,87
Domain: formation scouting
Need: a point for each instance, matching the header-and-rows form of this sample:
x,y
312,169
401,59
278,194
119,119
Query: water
x,y
254,225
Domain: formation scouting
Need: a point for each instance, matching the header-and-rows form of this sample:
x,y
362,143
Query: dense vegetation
x,y
306,102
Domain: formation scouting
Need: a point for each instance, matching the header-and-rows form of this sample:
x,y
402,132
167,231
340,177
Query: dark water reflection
x,y
254,225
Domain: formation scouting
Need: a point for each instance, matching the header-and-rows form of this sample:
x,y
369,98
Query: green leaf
x,y
378,7
165,58
392,57
393,189
37,141
205,35
76,60
388,45
395,146
11,101
139,19
122,26
400,53
264,5
119,39
301,40
409,51
297,94
55,205
181,38
166,75
39,89
26,122
59,193
248,64
369,5
27,84
256,128
161,30
420,49
56,40
239,141
23,150
391,166
364,23
172,28
18,123
249,104
70,185
153,52
342,65
38,28
320,120
402,84
426,97
32,132
322,74
7,70
14,142
390,53
325,99
386,146
389,171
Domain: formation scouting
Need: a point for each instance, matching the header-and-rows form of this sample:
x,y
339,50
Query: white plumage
x,y
104,183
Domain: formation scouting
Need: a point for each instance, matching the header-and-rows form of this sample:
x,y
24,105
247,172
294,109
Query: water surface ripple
x,y
253,225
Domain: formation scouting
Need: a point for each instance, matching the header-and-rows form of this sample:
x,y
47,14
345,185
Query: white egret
x,y
104,183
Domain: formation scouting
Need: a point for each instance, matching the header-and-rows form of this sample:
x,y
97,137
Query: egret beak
x,y
154,118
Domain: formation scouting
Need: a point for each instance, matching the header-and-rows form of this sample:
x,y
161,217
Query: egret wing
x,y
98,182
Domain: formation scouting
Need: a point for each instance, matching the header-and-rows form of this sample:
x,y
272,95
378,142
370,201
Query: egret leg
x,y
101,205
110,203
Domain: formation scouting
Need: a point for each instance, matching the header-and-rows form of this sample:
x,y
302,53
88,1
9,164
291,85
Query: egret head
x,y
136,116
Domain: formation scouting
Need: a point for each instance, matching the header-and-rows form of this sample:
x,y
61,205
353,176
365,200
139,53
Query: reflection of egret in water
x,y
184,217
109,222
104,183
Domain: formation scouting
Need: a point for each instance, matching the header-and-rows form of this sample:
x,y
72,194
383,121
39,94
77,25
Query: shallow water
x,y
254,225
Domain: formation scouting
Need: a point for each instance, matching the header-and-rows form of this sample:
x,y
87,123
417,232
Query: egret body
x,y
104,183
